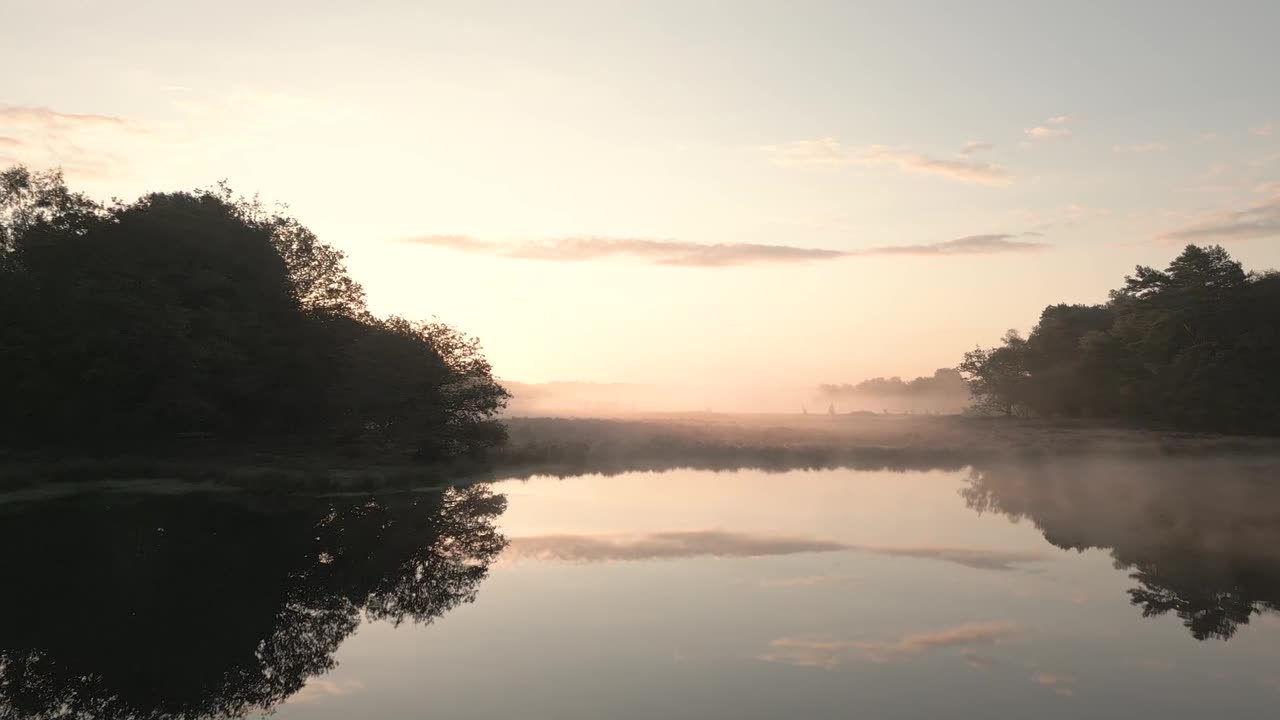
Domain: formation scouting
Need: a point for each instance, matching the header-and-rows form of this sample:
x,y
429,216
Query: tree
x,y
1191,346
204,312
472,398
997,377
169,314
29,200
1067,381
317,271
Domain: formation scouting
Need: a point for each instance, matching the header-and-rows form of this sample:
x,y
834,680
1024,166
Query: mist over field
x,y
943,393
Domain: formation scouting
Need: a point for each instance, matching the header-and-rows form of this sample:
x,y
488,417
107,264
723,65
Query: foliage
x,y
1194,346
317,272
29,199
200,312
996,377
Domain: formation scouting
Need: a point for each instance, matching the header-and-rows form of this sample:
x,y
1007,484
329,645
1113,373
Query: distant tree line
x,y
1195,346
944,382
210,314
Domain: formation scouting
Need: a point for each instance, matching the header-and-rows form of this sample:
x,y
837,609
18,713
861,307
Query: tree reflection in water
x,y
1200,536
217,605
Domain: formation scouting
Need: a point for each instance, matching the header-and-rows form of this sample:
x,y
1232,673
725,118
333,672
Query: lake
x,y
1094,587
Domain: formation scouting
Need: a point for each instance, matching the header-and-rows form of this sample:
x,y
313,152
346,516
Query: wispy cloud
x,y
662,546
993,244
43,117
978,660
648,250
1053,128
1257,221
1061,684
1042,133
76,142
830,152
1265,130
975,146
970,171
690,254
1143,148
830,654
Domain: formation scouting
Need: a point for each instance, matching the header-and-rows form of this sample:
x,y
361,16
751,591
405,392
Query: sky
x,y
741,192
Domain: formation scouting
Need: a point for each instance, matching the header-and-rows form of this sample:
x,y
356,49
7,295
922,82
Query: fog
x,y
586,399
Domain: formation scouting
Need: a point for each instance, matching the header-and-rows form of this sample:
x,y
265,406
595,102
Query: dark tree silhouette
x,y
29,200
1193,346
317,271
996,377
185,607
172,315
207,313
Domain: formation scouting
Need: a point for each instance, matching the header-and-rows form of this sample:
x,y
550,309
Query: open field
x,y
729,441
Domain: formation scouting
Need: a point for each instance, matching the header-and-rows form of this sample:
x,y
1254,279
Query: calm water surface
x,y
1079,589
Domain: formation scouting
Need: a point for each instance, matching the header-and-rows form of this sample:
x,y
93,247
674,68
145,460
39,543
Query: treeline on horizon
x,y
945,382
1195,346
204,313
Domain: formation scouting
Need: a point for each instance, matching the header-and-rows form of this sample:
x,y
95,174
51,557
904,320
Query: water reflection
x,y
724,544
130,606
1201,537
185,607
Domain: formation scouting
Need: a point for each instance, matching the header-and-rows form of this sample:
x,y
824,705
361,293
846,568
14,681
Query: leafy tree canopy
x,y
1193,346
205,312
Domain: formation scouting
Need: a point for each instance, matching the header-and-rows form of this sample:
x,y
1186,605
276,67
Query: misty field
x,y
783,442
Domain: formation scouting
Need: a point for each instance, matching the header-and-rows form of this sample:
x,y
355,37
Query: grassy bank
x,y
564,446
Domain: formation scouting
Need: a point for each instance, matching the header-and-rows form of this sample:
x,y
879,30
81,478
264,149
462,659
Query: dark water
x,y
1094,588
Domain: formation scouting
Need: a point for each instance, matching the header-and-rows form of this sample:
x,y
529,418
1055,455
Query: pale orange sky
x,y
570,168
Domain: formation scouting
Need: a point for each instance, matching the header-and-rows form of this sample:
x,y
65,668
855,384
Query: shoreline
x,y
652,443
